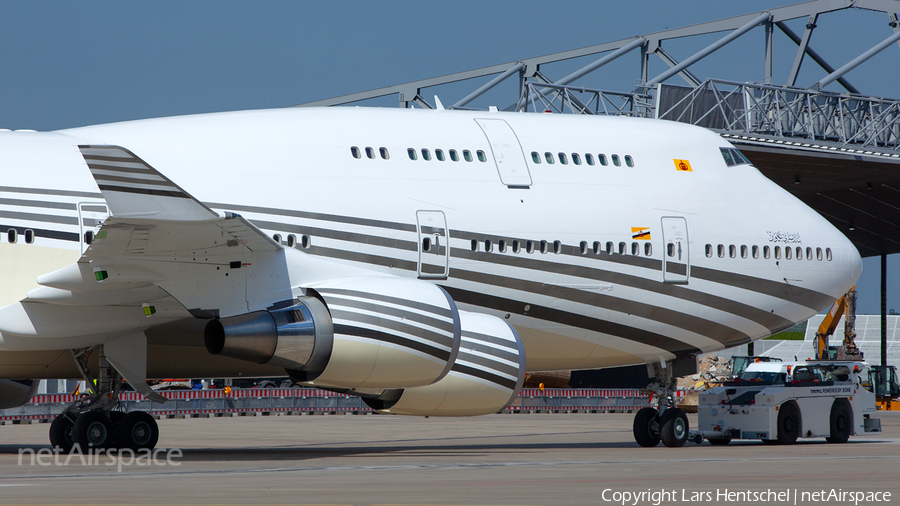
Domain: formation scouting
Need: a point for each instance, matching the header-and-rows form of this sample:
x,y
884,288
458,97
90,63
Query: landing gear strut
x,y
96,420
665,422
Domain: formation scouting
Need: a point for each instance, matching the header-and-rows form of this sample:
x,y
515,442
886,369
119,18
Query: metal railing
x,y
785,112
216,402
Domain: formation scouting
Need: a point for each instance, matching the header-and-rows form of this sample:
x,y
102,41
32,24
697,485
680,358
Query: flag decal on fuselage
x,y
683,165
640,233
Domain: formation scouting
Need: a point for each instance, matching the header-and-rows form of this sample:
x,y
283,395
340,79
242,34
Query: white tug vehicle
x,y
778,402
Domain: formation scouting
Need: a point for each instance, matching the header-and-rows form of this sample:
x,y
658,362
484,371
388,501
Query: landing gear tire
x,y
788,424
137,431
646,427
61,433
92,430
674,428
840,422
719,441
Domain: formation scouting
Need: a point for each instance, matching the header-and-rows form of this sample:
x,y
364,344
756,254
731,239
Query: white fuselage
x,y
294,173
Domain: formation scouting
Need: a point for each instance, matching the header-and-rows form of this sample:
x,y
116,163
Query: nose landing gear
x,y
664,423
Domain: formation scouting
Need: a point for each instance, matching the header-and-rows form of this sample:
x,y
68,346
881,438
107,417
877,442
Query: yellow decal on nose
x,y
683,165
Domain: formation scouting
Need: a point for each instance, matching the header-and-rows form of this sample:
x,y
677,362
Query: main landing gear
x,y
96,420
665,422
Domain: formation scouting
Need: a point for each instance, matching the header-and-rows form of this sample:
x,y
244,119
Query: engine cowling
x,y
486,378
14,393
380,332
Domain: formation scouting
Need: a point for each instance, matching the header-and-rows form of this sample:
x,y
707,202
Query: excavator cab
x,y
887,388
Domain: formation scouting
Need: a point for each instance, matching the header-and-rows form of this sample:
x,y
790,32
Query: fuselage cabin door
x,y
90,216
676,264
507,152
434,250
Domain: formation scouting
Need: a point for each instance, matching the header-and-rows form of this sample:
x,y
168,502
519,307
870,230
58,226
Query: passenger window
x,y
808,253
819,254
549,156
799,253
670,249
788,253
589,158
543,246
755,251
828,254
743,251
454,155
384,154
439,154
481,156
602,159
515,246
732,251
529,246
616,161
292,240
629,161
370,153
609,248
355,152
648,249
501,246
29,236
576,159
622,248
535,157
305,241
277,238
635,249
584,247
412,153
488,246
426,244
709,251
563,159
721,251
777,252
474,244
426,155
597,247
467,155
88,236
765,252
12,235
557,247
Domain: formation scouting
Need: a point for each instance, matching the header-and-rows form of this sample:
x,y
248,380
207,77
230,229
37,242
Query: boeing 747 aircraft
x,y
423,260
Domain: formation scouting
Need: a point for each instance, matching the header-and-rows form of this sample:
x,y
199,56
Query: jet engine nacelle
x,y
379,332
486,378
14,393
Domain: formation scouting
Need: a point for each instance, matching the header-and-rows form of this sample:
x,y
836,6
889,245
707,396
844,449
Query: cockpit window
x,y
733,157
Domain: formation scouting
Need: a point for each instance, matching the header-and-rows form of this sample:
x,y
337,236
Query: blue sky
x,y
65,64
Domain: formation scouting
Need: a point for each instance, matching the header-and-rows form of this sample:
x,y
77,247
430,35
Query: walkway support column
x,y
884,309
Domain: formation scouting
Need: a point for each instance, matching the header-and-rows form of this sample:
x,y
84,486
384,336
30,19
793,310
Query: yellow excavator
x,y
884,377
